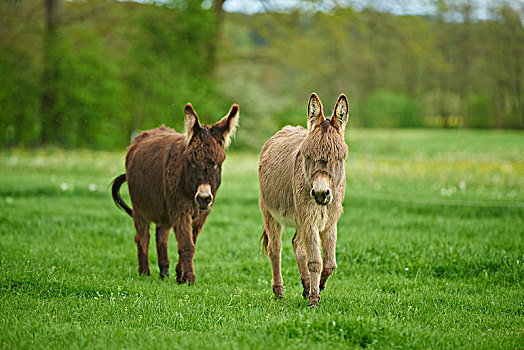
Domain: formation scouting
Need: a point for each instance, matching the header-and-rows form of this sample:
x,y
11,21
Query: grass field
x,y
430,254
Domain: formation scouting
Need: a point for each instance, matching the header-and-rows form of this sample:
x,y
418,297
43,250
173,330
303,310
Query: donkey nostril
x,y
313,193
204,200
327,192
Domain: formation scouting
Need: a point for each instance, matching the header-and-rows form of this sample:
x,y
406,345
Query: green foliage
x,y
19,93
420,265
388,109
90,97
480,113
129,67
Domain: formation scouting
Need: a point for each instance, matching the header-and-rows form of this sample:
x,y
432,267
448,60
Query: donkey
x,y
302,183
173,179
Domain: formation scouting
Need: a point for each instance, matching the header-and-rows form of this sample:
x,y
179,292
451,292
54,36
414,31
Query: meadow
x,y
430,254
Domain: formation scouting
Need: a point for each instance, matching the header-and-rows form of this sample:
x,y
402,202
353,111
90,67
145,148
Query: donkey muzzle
x,y
203,197
322,197
321,192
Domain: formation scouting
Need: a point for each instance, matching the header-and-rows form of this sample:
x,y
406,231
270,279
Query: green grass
x,y
430,254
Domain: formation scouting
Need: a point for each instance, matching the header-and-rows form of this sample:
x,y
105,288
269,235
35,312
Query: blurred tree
x,y
505,38
19,80
50,108
218,19
107,69
464,52
442,69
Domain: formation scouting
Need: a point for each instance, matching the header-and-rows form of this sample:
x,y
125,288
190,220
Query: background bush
x,y
480,113
389,109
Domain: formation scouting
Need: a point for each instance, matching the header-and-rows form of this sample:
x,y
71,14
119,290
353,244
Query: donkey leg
x,y
198,224
142,243
178,271
301,257
162,237
314,264
274,247
329,263
186,250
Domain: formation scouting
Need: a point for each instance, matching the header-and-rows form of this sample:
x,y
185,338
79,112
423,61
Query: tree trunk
x,y
213,44
51,116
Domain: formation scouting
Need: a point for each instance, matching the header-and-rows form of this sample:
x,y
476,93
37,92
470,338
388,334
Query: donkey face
x,y
324,150
205,154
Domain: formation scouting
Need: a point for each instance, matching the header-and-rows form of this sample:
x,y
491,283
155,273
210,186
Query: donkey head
x,y
204,154
324,150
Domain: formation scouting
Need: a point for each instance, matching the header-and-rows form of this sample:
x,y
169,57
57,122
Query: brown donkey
x,y
302,182
173,179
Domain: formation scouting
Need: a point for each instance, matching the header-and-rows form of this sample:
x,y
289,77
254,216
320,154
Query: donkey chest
x,y
317,218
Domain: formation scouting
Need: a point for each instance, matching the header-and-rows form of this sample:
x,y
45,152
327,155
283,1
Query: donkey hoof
x,y
181,278
143,272
164,274
305,294
190,279
278,291
313,305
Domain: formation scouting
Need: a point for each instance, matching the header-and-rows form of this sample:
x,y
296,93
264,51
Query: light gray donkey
x,y
302,183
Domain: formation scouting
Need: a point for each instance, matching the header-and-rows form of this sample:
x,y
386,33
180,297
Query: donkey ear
x,y
191,123
225,128
314,112
339,119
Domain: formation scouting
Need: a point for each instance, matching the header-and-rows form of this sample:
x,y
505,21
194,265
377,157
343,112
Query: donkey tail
x,y
116,184
264,240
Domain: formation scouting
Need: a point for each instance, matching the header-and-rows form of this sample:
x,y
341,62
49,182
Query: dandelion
x,y
446,192
64,186
13,160
39,161
407,268
92,187
462,185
